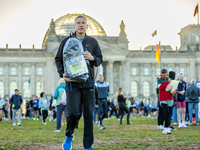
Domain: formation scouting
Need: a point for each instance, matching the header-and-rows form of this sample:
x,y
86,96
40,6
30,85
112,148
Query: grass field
x,y
142,134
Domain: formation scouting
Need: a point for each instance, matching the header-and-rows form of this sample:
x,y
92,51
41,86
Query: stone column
x,y
33,82
20,77
7,81
153,79
140,84
125,76
192,72
50,81
110,74
177,69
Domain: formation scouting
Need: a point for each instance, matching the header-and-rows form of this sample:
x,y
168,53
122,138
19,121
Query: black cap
x,y
164,70
16,90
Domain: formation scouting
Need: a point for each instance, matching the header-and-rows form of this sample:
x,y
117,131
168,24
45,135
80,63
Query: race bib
x,y
77,66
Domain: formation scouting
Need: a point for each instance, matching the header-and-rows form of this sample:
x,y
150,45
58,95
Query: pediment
x,y
111,49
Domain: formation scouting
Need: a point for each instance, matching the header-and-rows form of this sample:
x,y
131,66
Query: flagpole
x,y
198,13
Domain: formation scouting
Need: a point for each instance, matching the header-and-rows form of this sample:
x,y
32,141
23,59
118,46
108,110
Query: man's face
x,y
164,75
81,25
16,92
101,78
154,98
181,78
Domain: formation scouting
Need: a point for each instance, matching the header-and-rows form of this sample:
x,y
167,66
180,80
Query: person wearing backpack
x,y
192,97
60,96
181,104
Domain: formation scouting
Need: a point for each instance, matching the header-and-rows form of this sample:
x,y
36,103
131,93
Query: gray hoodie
x,y
189,91
44,103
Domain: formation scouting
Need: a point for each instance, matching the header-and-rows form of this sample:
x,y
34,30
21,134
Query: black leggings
x,y
168,111
44,114
161,115
122,108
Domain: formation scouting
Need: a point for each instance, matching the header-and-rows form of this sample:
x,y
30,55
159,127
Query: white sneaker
x,y
108,118
18,124
56,130
180,125
164,131
183,125
99,125
160,127
105,119
14,124
97,121
175,124
118,119
190,124
168,131
152,117
143,116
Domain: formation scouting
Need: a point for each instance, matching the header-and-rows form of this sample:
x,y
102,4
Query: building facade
x,y
33,70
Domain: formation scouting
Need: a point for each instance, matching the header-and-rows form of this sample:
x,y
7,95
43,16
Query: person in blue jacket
x,y
44,105
103,90
16,104
36,108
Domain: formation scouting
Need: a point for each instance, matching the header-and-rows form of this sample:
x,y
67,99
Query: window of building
x,y
134,89
13,71
39,88
13,86
1,88
158,71
39,71
146,89
26,71
134,71
1,71
146,71
26,90
182,70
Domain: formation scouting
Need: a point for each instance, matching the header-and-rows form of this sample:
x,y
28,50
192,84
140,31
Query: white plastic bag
x,y
75,66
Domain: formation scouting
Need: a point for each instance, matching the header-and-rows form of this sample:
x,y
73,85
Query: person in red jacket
x,y
165,99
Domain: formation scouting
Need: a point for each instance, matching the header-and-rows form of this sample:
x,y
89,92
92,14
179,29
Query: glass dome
x,y
65,24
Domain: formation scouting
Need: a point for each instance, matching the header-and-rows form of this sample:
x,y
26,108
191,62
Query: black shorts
x,y
153,109
35,109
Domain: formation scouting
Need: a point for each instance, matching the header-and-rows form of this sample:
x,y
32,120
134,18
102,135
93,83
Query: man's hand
x,y
182,93
88,56
66,79
96,105
173,92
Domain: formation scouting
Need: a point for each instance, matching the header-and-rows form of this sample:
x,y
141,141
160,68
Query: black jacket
x,y
121,99
89,44
16,100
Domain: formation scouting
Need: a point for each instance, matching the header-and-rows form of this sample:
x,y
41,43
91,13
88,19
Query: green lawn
x,y
142,134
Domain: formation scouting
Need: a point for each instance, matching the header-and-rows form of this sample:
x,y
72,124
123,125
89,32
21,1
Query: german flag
x,y
158,55
196,10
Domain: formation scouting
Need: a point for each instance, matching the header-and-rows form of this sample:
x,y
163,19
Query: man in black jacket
x,y
16,104
83,93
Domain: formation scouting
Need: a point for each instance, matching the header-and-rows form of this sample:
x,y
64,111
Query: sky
x,y
25,22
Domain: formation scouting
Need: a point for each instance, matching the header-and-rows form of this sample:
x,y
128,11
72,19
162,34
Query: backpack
x,y
63,99
193,95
